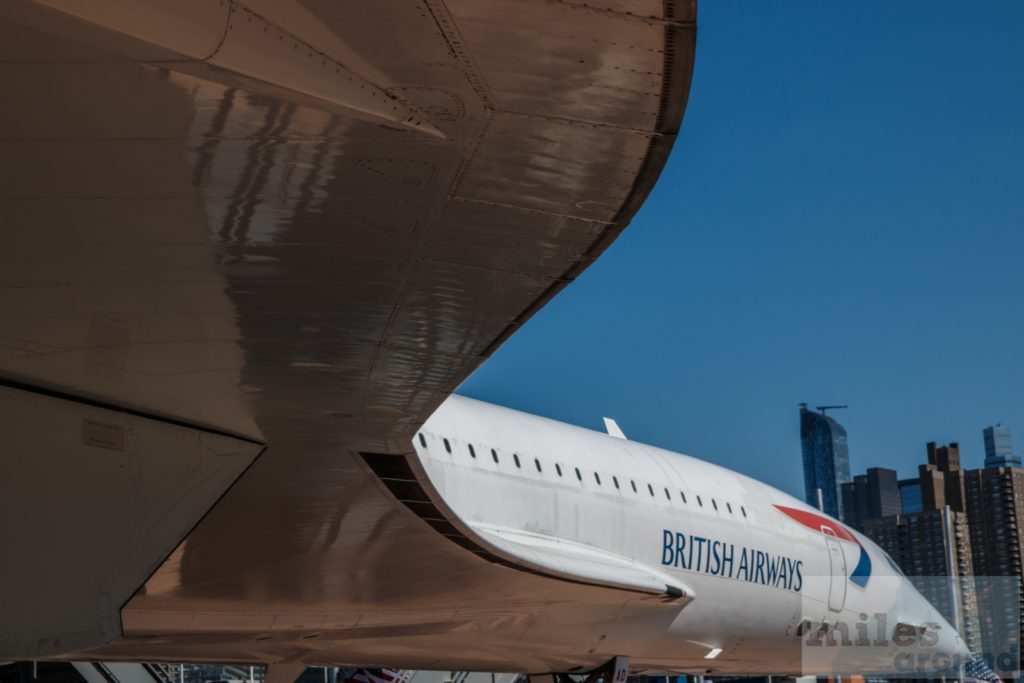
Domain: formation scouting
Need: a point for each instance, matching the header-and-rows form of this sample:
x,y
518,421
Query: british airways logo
x,y
830,527
720,558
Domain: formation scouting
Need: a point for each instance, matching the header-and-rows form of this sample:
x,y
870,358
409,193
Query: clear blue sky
x,y
841,221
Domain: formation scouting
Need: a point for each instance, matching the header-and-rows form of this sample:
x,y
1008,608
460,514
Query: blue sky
x,y
841,221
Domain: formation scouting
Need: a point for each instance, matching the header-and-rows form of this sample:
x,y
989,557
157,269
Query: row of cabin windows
x,y
579,476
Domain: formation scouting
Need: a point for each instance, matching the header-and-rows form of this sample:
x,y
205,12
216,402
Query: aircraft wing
x,y
289,229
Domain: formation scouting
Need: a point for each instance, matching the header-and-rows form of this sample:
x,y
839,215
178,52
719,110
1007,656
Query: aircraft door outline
x,y
837,566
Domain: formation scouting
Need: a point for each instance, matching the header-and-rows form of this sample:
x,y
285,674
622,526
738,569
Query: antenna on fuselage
x,y
613,429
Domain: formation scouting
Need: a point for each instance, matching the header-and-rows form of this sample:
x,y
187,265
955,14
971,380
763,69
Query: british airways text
x,y
718,558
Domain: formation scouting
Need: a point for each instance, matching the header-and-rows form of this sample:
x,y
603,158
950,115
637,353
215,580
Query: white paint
x,y
616,513
613,429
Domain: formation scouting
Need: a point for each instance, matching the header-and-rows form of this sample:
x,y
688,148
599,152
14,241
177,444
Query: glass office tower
x,y
826,459
998,451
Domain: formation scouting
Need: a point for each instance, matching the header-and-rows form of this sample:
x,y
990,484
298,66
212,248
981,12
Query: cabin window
x,y
650,489
537,463
714,504
515,458
743,510
728,506
668,496
700,502
615,480
558,468
472,453
633,484
447,446
683,496
597,478
578,475
423,440
494,454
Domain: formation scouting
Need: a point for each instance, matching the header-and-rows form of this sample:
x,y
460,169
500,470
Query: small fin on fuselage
x,y
613,429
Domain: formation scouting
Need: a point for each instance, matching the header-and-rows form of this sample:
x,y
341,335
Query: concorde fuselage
x,y
772,580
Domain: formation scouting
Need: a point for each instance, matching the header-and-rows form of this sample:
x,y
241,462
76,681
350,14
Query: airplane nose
x,y
946,652
951,642
925,644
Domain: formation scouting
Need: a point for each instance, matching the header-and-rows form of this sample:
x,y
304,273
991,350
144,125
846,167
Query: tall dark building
x,y
998,449
826,459
871,495
942,480
995,510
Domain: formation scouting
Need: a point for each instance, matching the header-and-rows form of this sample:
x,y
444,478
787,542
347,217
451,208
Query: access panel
x,y
92,499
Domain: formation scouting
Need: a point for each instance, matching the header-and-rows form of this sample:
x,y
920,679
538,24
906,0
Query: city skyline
x,y
819,234
963,529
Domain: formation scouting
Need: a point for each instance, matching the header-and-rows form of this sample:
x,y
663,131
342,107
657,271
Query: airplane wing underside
x,y
300,224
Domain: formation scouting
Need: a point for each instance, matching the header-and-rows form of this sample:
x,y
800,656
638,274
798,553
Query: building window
x,y
558,468
447,446
472,452
537,463
578,475
597,478
515,458
494,454
615,480
423,440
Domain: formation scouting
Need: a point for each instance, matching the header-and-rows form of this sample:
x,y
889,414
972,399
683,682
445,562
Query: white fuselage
x,y
766,571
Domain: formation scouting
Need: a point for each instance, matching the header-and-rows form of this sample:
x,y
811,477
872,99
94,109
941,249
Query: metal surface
x,y
193,233
93,501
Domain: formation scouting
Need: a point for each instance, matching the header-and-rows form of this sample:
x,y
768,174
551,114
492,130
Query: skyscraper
x,y
871,495
995,510
998,451
942,480
826,459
